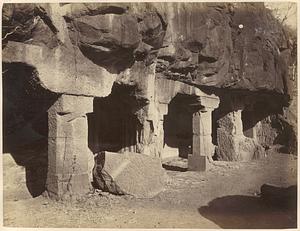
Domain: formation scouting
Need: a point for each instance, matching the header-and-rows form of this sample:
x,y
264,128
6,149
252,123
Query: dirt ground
x,y
226,196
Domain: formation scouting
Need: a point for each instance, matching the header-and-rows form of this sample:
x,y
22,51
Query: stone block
x,y
129,173
66,155
202,123
71,103
163,109
169,152
226,145
202,145
210,102
59,126
198,163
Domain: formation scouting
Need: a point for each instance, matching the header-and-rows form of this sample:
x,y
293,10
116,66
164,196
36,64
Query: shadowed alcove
x,y
114,126
178,126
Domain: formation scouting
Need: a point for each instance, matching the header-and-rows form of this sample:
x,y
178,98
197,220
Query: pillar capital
x,y
209,102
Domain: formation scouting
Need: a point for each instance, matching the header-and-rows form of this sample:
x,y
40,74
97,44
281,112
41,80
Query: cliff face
x,y
234,46
227,46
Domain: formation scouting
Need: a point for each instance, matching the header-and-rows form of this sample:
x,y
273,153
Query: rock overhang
x,y
200,44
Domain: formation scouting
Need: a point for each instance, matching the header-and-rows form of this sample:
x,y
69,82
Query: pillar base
x,y
198,163
68,186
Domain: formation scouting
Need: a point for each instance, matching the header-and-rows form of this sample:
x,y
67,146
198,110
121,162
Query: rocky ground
x,y
226,196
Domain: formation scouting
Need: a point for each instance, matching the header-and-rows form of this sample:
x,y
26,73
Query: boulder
x,y
128,173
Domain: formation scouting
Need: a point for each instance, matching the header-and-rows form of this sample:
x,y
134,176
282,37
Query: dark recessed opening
x,y
113,126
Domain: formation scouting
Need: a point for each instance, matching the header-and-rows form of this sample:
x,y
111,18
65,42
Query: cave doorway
x,y
251,116
25,125
248,124
113,126
178,127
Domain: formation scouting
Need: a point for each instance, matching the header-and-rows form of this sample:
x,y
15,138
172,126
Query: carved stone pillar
x,y
203,147
68,152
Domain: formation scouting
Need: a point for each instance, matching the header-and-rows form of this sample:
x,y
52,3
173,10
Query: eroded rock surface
x,y
130,173
238,46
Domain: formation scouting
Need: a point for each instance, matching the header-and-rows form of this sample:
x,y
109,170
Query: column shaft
x,y
68,151
203,147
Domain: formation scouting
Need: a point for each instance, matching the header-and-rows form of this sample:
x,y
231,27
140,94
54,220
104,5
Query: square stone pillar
x,y
68,151
203,147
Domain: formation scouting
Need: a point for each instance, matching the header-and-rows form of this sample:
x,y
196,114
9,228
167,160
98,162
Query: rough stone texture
x,y
237,148
210,49
267,132
68,171
71,72
129,173
279,129
249,149
290,137
199,43
232,143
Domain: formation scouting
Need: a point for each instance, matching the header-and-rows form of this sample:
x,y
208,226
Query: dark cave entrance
x,y
25,123
178,127
252,115
113,126
248,123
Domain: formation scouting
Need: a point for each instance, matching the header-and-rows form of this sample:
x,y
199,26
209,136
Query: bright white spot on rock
x,y
241,26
